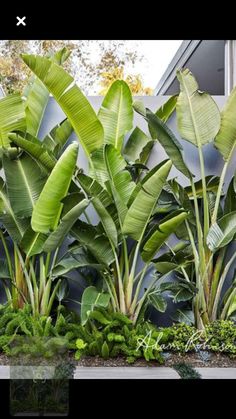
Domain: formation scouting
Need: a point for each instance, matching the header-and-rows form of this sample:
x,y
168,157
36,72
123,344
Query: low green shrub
x,y
220,336
111,335
22,333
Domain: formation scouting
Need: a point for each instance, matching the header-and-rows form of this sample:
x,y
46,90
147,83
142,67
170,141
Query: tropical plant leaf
x,y
225,140
93,189
116,113
183,316
198,116
158,302
67,264
72,101
169,142
160,233
56,237
36,96
142,207
96,243
15,226
58,136
24,181
32,242
120,180
106,220
4,270
180,291
35,149
48,207
230,201
138,146
212,183
12,117
92,299
222,232
167,109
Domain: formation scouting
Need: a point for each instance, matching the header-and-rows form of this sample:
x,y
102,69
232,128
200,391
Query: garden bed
x,y
215,361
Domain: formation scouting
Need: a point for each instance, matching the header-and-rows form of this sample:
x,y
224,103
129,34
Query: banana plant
x,y
122,190
32,166
211,225
35,217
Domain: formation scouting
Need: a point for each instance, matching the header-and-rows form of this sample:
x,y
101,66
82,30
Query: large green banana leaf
x,y
167,109
91,299
120,180
160,233
16,227
138,146
106,220
24,181
94,189
37,95
32,242
168,140
222,232
56,237
12,117
97,244
116,113
35,149
58,136
72,101
225,140
142,207
67,264
198,116
48,207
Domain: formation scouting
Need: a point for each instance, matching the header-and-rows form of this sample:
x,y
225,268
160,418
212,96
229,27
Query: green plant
x,y
220,337
25,334
211,224
39,201
186,371
180,338
110,335
123,198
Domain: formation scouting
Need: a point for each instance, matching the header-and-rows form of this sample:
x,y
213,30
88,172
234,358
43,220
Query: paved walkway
x,y
160,373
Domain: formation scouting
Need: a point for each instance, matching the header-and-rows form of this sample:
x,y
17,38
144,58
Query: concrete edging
x,y
156,373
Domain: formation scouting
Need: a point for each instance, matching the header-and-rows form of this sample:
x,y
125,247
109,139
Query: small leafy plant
x,y
110,335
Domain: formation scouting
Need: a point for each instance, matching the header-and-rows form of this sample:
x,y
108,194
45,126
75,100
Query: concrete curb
x,y
139,373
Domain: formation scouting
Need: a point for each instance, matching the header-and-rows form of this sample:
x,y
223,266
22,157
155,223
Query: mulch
x,y
193,359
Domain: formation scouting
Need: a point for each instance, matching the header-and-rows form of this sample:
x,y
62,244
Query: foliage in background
x,y
91,63
134,82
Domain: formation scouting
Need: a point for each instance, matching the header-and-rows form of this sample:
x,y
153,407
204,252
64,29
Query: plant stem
x,y
220,286
27,278
137,291
219,190
227,304
129,288
215,278
204,190
120,284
